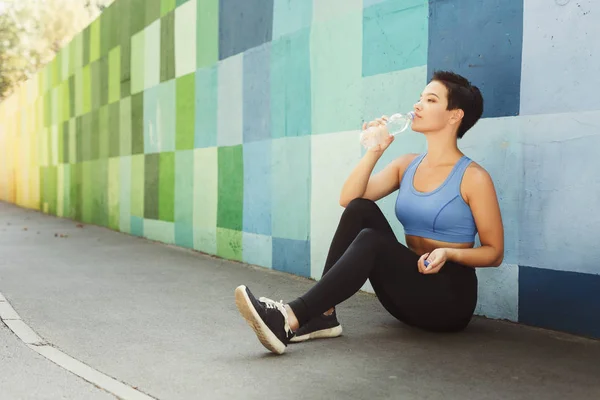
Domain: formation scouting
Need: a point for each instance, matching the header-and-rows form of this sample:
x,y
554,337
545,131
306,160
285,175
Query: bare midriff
x,y
421,245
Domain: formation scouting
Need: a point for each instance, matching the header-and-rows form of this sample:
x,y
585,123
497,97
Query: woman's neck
x,y
442,149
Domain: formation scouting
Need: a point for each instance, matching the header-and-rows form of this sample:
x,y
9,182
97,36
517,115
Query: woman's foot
x,y
268,319
323,326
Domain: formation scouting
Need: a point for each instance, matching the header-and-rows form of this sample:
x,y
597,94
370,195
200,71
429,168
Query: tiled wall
x,y
229,127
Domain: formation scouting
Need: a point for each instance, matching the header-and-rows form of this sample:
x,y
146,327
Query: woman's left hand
x,y
436,260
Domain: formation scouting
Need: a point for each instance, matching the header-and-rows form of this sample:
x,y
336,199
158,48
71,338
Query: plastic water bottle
x,y
396,124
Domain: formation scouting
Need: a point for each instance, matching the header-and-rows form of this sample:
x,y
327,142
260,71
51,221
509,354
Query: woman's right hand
x,y
379,123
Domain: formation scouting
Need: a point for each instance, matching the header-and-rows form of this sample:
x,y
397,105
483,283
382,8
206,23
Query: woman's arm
x,y
481,196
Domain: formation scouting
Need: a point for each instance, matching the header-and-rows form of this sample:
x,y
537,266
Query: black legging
x,y
365,247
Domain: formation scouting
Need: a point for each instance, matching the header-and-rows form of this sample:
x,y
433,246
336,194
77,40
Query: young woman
x,y
444,200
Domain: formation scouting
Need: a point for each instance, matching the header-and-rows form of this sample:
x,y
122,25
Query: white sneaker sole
x,y
322,334
264,334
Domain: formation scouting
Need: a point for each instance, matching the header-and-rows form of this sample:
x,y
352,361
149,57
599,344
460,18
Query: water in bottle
x,y
396,124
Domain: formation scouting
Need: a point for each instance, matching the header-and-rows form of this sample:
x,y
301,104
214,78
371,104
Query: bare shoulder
x,y
477,180
404,160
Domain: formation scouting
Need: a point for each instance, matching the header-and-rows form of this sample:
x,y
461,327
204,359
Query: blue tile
x,y
137,226
394,36
256,95
564,301
483,41
257,188
184,235
290,16
243,25
291,256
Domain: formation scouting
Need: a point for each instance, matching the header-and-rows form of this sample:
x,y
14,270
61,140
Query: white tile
x,y
230,101
498,295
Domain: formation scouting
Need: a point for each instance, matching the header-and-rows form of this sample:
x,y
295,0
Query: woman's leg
x,y
430,301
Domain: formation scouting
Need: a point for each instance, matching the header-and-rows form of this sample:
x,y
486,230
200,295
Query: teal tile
x,y
166,115
205,131
291,173
290,17
395,36
291,85
336,59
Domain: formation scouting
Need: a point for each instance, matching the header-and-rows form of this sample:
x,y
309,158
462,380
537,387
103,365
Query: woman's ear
x,y
457,116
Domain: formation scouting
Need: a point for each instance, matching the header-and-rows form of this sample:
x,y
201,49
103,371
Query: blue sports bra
x,y
441,214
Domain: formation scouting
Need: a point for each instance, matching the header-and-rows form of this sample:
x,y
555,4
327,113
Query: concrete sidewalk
x,y
163,320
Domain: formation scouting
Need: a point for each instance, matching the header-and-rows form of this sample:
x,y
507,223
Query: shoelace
x,y
278,305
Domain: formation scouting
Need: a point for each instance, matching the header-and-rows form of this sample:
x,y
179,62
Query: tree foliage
x,y
33,31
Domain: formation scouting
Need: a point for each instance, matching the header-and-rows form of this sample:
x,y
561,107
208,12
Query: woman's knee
x,y
360,206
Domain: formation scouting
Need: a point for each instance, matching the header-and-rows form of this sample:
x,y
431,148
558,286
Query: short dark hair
x,y
461,95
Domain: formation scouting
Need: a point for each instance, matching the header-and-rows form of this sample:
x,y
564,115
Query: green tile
x,y
137,62
96,84
66,96
125,127
137,185
185,106
167,47
87,89
114,120
86,46
75,192
166,115
231,187
166,190
152,11
166,6
72,141
66,59
103,81
207,32
72,98
180,2
185,39
206,186
151,185
87,136
100,192
106,27
114,214
114,75
103,139
125,194
94,40
125,69
94,135
184,187
152,55
79,139
137,15
86,192
66,191
137,123
229,244
63,147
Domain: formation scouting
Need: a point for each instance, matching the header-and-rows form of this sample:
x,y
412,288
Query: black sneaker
x,y
266,317
323,326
